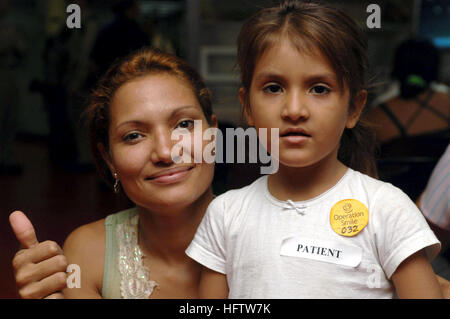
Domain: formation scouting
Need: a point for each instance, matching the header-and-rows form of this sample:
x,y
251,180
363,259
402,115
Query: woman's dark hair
x,y
138,64
309,26
416,64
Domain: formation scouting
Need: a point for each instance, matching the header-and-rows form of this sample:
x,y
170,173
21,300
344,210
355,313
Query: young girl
x,y
319,227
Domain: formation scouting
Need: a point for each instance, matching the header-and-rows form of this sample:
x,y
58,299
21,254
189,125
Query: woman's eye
x,y
320,89
132,137
273,89
186,124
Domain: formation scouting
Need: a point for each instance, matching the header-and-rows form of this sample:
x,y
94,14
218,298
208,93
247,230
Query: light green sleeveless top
x,y
111,274
124,273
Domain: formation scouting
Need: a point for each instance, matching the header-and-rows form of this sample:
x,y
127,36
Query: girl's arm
x,y
445,286
213,285
414,278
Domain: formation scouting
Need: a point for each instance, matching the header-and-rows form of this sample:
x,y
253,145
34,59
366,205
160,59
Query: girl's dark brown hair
x,y
310,26
138,64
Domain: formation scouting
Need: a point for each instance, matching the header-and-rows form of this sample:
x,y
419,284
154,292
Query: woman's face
x,y
144,114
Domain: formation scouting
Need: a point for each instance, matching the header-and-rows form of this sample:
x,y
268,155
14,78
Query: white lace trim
x,y
135,282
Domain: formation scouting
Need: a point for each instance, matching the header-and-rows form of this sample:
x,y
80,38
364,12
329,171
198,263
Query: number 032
x,y
349,229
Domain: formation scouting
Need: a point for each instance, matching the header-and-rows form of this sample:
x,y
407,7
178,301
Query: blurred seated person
x,y
417,104
412,119
434,203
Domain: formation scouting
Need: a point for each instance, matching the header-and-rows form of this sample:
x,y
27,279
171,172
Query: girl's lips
x,y
294,139
171,176
294,135
294,131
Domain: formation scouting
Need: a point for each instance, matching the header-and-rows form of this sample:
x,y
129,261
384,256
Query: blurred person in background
x,y
82,71
120,37
12,51
157,39
412,118
416,103
434,203
68,77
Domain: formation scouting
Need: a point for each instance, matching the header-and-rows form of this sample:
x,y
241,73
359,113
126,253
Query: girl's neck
x,y
166,235
303,183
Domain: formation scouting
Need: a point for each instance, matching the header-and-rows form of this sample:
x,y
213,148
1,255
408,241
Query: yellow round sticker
x,y
348,217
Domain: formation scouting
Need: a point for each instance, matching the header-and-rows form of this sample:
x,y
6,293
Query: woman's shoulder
x,y
94,232
85,247
89,237
120,217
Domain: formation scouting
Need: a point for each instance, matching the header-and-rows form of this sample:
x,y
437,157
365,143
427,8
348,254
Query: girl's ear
x,y
243,98
106,157
358,105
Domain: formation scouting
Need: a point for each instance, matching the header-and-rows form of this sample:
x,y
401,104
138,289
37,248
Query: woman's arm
x,y
414,278
213,285
85,247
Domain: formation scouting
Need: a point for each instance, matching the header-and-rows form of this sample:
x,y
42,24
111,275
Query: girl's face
x,y
144,113
299,94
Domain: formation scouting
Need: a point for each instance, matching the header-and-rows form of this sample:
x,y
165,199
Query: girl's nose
x,y
162,147
295,108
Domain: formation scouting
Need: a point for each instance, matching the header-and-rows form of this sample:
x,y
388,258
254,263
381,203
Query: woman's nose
x,y
162,147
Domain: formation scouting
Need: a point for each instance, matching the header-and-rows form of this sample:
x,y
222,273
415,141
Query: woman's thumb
x,y
23,229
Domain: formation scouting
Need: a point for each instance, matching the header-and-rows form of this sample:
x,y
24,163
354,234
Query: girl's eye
x,y
186,124
320,89
132,137
273,89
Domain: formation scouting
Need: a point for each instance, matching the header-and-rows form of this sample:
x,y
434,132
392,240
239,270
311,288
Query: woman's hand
x,y
39,268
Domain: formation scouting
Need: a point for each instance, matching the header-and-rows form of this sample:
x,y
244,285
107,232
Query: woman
x,y
132,114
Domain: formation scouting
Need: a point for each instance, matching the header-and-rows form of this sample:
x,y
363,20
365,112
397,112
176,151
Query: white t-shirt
x,y
272,249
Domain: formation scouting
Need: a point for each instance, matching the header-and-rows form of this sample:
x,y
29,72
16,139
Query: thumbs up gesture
x,y
39,268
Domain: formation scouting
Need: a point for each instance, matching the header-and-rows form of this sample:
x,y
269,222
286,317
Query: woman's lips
x,y
170,176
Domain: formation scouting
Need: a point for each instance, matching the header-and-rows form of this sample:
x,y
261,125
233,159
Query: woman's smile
x,y
171,175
